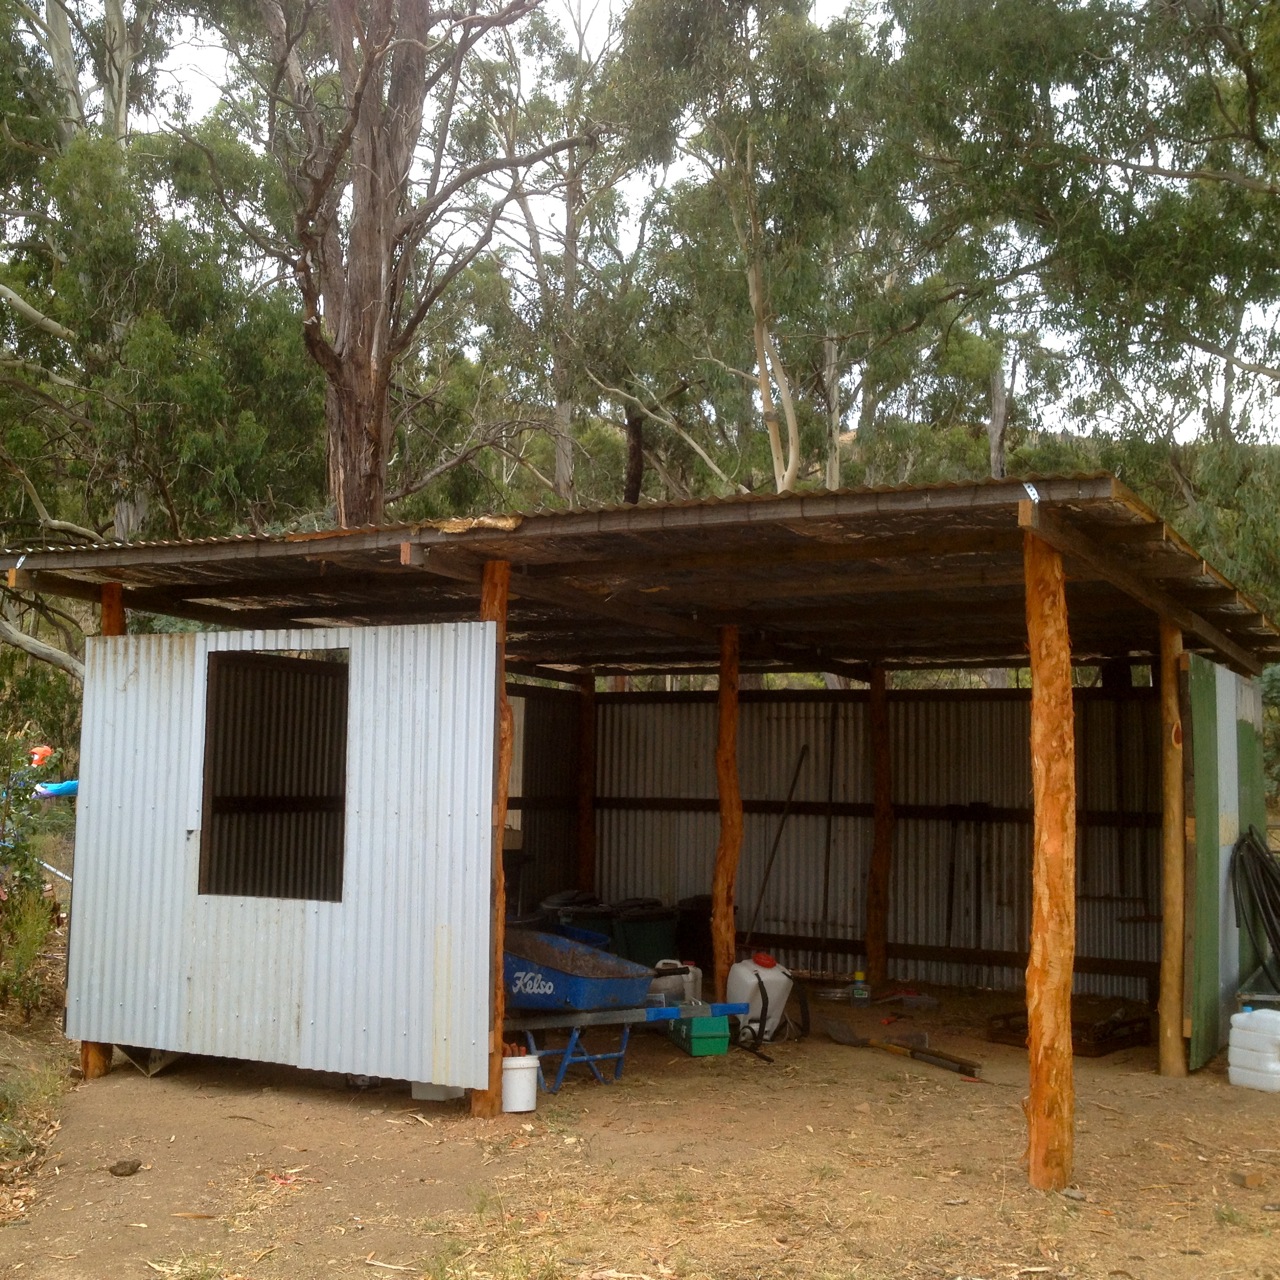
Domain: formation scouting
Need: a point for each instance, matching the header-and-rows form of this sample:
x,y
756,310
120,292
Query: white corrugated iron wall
x,y
393,980
962,839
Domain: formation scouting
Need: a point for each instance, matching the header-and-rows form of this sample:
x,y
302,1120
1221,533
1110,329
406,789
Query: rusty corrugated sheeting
x,y
393,980
962,840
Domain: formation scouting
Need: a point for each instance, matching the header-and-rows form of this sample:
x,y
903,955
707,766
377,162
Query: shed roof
x,y
923,575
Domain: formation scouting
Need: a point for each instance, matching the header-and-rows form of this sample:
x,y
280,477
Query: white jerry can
x,y
1253,1055
743,987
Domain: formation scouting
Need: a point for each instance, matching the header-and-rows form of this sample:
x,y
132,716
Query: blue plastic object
x,y
52,790
546,971
588,937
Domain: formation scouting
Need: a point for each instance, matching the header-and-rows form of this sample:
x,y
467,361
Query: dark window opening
x,y
275,775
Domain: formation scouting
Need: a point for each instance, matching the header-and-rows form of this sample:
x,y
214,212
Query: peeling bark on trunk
x,y
563,431
634,482
1050,1106
369,186
355,412
121,46
63,57
729,848
831,384
999,420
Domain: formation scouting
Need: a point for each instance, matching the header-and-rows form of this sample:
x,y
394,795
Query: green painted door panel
x,y
1202,975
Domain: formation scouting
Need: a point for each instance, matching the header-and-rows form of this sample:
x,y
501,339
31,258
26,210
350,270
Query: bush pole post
x,y
95,1057
486,1103
1050,1105
1173,1054
729,848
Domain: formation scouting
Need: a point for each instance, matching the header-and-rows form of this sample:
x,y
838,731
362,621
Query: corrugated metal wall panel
x,y
391,981
550,783
962,879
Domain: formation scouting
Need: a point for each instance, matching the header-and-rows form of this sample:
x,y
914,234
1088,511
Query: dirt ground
x,y
830,1162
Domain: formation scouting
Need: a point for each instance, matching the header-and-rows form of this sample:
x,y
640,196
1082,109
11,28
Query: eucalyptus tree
x,y
371,111
152,378
1133,147
763,107
565,222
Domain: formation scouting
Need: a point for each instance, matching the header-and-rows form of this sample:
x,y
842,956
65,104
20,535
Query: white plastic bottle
x,y
1253,1055
743,987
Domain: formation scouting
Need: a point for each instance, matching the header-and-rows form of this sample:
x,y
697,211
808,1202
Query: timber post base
x,y
95,1059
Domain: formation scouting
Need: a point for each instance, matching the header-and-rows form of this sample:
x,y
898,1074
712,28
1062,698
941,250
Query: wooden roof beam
x,y
543,591
1071,542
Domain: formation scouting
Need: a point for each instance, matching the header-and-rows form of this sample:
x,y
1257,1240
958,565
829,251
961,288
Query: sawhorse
x,y
578,1021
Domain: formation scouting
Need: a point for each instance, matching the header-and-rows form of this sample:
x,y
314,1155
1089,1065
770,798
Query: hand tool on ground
x,y
935,1057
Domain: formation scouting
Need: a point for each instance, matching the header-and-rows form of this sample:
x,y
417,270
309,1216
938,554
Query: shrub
x,y
26,923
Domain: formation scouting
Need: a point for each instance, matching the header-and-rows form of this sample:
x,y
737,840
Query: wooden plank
x,y
729,848
113,620
1102,819
878,874
1173,1053
95,1059
1050,1106
587,785
1149,970
1070,541
904,547
487,1103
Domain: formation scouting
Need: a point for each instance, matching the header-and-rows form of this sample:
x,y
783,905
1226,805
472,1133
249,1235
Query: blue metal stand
x,y
576,1023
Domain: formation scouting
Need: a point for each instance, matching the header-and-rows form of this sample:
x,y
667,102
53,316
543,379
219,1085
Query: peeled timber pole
x,y
487,1103
882,834
1173,1055
729,848
1050,1105
95,1058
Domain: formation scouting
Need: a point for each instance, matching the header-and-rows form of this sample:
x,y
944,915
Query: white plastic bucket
x,y
520,1083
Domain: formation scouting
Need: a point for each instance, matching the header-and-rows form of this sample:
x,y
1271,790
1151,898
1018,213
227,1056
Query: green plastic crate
x,y
701,1037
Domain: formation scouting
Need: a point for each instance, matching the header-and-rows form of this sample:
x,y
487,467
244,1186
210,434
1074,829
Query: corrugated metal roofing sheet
x,y
462,524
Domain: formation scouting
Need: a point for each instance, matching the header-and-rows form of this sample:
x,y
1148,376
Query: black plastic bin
x,y
693,932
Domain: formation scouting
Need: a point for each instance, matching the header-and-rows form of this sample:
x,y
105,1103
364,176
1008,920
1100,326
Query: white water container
x,y
520,1083
677,988
1253,1056
743,987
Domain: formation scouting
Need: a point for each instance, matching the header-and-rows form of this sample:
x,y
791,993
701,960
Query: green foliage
x,y
19,869
38,703
25,922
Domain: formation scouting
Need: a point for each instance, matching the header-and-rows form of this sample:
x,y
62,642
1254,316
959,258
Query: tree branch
x,y
42,512
665,420
34,317
51,654
1228,176
1212,349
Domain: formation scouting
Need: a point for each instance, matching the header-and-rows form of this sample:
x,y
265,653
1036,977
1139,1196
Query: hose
x,y
1255,884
